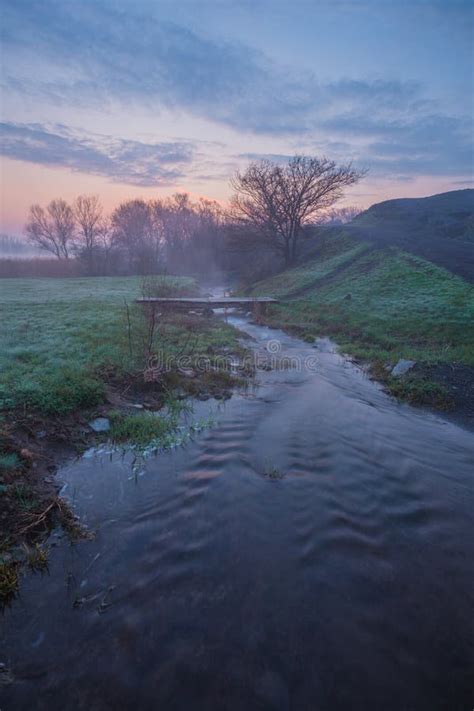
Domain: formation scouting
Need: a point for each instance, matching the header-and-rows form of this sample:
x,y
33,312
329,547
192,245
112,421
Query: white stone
x,y
402,367
100,424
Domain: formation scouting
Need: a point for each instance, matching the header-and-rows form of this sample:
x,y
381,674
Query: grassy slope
x,y
439,228
400,306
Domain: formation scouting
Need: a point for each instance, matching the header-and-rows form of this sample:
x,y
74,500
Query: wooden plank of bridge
x,y
215,301
258,304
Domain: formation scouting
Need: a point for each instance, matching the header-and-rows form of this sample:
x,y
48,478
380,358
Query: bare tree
x,y
89,218
276,201
105,244
134,231
189,233
52,229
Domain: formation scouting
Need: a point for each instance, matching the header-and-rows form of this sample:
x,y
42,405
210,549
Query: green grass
x,y
378,304
59,337
55,336
141,428
305,277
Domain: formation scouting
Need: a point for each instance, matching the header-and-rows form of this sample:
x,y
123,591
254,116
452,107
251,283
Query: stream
x,y
312,550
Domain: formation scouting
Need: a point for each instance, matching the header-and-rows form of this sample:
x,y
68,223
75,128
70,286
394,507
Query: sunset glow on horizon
x,y
128,101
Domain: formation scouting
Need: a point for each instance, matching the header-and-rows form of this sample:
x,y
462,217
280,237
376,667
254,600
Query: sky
x,y
143,98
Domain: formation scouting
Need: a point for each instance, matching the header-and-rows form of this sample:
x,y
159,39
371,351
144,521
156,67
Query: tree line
x,y
139,237
270,209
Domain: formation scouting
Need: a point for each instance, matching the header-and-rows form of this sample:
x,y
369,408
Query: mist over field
x,y
16,247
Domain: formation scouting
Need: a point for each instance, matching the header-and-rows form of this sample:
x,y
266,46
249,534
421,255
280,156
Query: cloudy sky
x,y
126,98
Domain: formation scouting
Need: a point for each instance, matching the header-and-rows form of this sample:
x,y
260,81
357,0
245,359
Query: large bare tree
x,y
277,201
53,228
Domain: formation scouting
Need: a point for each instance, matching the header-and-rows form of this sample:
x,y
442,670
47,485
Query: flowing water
x,y
312,550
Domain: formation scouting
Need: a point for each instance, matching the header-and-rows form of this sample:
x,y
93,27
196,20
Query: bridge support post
x,y
259,310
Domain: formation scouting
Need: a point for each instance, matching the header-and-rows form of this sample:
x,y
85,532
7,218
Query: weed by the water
x,y
141,428
272,472
8,581
37,557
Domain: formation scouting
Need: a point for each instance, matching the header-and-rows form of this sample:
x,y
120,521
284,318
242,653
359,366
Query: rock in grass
x,y
402,367
100,424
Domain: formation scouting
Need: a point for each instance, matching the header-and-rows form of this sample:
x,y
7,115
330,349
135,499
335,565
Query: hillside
x,y
439,228
449,215
380,304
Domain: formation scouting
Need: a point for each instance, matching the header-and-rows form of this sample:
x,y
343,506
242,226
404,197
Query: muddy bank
x,y
32,449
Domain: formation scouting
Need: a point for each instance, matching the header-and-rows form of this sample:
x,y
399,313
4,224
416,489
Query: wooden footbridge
x,y
256,304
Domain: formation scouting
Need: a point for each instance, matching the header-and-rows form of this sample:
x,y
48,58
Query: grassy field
x,y
60,336
56,334
379,305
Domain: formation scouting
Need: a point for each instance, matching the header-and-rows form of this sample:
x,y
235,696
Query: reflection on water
x,y
345,583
